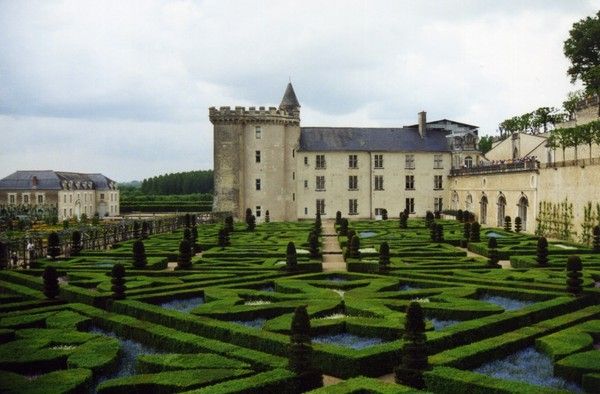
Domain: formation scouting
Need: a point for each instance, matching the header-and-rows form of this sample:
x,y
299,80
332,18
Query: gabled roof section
x,y
445,122
340,139
53,180
289,100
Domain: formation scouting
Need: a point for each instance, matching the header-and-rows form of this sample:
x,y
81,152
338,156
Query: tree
x,y
355,247
136,229
596,240
403,220
493,252
384,214
583,51
75,243
518,224
467,231
300,352
3,255
139,254
574,275
196,247
414,352
187,234
249,219
145,229
118,281
485,144
313,245
223,240
51,287
429,219
459,215
53,245
439,233
338,218
318,223
291,258
344,227
184,260
570,104
229,224
187,220
542,252
251,223
384,257
432,231
475,232
507,223
267,217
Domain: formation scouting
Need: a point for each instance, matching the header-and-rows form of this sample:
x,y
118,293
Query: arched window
x,y
468,162
469,203
483,210
523,204
455,200
501,210
515,153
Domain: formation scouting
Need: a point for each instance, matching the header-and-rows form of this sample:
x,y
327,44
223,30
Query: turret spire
x,y
289,102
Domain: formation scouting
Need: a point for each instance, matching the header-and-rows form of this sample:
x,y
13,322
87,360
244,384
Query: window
x,y
320,183
378,161
65,213
468,162
437,182
306,184
12,198
305,211
258,209
378,182
258,132
353,206
70,212
410,182
409,162
293,196
305,160
321,206
65,200
258,184
379,211
293,152
410,205
40,198
71,197
352,161
437,161
85,197
438,206
101,197
257,156
25,198
320,161
353,182
293,175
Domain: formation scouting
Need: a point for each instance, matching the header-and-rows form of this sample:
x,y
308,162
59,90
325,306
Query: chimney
x,y
422,123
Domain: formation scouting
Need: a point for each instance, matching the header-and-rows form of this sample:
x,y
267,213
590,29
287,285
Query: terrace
x,y
516,166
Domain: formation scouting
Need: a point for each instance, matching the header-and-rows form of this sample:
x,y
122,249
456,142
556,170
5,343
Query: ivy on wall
x,y
555,220
591,218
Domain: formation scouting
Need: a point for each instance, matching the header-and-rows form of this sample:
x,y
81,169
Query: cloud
x,y
124,87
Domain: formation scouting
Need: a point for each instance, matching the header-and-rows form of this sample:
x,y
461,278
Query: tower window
x,y
305,160
352,182
320,161
378,161
378,182
352,161
306,184
257,156
321,206
258,184
438,182
258,211
258,132
320,183
353,206
410,205
410,182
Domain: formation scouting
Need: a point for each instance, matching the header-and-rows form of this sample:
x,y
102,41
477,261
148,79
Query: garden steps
x,y
333,260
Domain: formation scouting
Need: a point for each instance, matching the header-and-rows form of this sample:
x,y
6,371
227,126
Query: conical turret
x,y
289,102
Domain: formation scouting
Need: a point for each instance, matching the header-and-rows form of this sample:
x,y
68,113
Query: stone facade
x,y
66,193
264,160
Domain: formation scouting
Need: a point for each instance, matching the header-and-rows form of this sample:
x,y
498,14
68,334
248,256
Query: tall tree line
x,y
179,183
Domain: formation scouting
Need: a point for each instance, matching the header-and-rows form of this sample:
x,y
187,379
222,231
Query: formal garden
x,y
425,305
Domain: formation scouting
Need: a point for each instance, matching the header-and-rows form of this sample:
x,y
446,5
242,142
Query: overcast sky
x,y
123,87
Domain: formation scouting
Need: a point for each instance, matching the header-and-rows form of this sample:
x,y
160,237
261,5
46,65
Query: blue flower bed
x,y
366,234
255,323
348,340
269,288
441,324
409,287
509,304
184,305
492,234
130,350
529,366
336,278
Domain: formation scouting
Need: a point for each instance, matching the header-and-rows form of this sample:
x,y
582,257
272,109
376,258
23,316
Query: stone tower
x,y
254,158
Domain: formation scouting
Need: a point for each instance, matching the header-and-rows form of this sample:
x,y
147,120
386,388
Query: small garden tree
x,y
187,234
403,220
248,214
351,233
300,352
338,218
437,215
344,227
318,223
542,252
251,223
355,247
518,224
414,352
223,238
53,245
429,219
493,252
184,260
139,254
432,231
313,245
136,229
118,281
467,231
187,220
291,257
574,281
195,244
596,239
507,223
439,233
459,215
475,232
51,287
75,243
384,257
229,224
267,216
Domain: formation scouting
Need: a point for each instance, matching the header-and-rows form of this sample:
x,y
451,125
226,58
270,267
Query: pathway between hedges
x,y
333,259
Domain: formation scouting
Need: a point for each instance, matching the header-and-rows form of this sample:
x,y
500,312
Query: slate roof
x,y
404,139
50,180
289,100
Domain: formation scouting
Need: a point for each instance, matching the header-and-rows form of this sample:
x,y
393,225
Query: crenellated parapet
x,y
243,115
